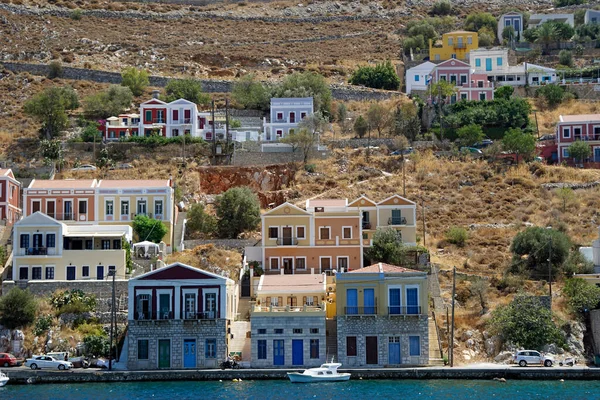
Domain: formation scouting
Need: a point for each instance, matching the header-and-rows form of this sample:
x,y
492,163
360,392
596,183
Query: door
x,y
297,352
597,154
71,273
488,64
210,305
189,353
278,352
394,351
190,305
412,301
287,265
164,305
287,239
369,298
396,217
292,117
100,272
68,210
50,208
351,301
372,350
164,353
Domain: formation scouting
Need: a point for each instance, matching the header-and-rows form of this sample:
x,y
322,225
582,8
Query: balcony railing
x,y
158,121
460,46
169,315
287,241
72,216
397,221
204,315
37,251
297,308
351,310
366,225
404,310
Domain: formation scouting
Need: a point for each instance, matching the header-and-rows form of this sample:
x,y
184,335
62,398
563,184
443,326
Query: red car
x,y
7,360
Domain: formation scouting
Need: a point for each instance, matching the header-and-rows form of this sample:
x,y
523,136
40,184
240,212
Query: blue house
x,y
513,19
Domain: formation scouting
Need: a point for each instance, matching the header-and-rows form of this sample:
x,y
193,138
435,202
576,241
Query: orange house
x,y
68,200
10,197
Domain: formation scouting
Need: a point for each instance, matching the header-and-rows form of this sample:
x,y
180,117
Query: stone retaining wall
x,y
235,244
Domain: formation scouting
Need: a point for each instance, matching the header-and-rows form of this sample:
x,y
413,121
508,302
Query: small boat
x,y
3,379
325,373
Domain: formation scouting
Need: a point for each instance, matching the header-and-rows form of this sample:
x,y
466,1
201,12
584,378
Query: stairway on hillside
x,y
179,230
240,342
331,341
435,356
243,311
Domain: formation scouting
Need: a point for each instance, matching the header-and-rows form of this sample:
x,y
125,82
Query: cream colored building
x,y
47,249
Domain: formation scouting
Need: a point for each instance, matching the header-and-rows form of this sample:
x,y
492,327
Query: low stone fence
x,y
235,244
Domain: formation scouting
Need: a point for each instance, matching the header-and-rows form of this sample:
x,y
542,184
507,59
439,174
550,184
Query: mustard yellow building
x,y
455,44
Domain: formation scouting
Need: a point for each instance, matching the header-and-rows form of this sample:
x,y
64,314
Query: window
x,y
302,115
499,61
437,57
314,348
174,132
414,344
109,206
351,346
274,262
175,115
24,241
148,116
112,268
577,132
300,232
160,114
566,153
416,78
158,207
85,271
394,301
469,40
297,331
125,207
210,304
210,350
463,79
142,207
314,330
49,272
82,206
262,331
324,233
463,96
279,116
278,331
478,62
273,232
51,240
116,244
106,245
301,263
142,349
23,273
89,244
450,41
262,349
412,300
347,232
482,97
36,273
566,133
342,264
279,132
325,263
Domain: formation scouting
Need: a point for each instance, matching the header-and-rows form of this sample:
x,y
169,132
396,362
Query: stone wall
x,y
595,324
176,331
303,324
235,244
217,179
382,328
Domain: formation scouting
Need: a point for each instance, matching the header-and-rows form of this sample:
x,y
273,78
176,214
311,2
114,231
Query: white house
x,y
592,17
417,78
513,19
285,115
494,63
538,19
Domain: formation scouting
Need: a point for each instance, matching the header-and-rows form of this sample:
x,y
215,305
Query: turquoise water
x,y
354,389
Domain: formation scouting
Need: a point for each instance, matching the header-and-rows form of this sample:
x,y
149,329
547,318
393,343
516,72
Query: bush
x,y
17,308
582,296
96,345
565,57
249,93
136,80
552,94
504,92
531,250
111,102
42,325
457,235
238,210
476,21
387,247
150,229
157,141
565,3
73,301
91,133
76,14
470,134
486,38
200,222
311,168
188,89
55,70
382,76
90,329
360,126
442,7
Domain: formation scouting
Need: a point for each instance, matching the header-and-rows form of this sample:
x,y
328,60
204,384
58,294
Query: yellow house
x,y
455,44
382,316
47,249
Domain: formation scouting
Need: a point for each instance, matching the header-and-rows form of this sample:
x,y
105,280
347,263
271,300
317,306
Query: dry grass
x,y
211,258
547,119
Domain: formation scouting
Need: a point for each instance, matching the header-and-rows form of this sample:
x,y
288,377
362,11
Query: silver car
x,y
526,357
37,362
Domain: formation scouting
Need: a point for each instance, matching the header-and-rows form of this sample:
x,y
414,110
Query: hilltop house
x,y
536,20
572,128
417,78
178,318
47,249
469,85
382,316
513,19
591,17
330,234
455,44
285,115
288,321
10,197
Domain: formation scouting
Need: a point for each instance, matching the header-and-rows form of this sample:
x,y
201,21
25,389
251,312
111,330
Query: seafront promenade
x,y
25,376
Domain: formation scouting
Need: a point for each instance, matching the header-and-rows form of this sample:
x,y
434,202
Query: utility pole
x,y
403,178
423,212
214,135
448,330
369,142
537,126
452,332
113,320
227,127
550,271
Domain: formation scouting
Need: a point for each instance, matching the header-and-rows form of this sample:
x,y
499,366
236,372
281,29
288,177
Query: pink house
x,y
469,86
572,128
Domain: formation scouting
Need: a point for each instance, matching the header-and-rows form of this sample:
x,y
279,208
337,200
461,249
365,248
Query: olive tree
x,y
238,210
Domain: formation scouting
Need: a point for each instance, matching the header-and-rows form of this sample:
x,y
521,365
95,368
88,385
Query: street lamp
x,y
113,319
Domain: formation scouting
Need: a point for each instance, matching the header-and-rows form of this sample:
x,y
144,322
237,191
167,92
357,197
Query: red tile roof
x,y
382,267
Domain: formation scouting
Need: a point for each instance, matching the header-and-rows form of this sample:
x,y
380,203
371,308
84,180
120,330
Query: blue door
x,y
394,300
488,64
71,273
189,353
100,272
297,352
369,296
278,352
351,302
597,154
394,351
412,301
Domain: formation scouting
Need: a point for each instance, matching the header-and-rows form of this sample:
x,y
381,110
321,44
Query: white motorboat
x,y
325,373
3,379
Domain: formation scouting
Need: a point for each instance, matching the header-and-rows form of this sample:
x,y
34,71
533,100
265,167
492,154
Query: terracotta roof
x,y
62,184
382,267
133,183
580,117
327,203
299,283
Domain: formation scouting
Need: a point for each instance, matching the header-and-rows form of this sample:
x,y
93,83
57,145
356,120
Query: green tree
x,y
342,117
111,102
188,89
91,133
525,322
301,139
17,308
238,210
381,76
582,295
422,28
504,92
508,34
416,43
361,126
442,7
520,143
147,228
566,196
565,57
457,235
387,247
50,108
199,222
565,3
532,248
251,94
104,159
314,123
476,21
135,79
306,84
55,69
552,94
406,121
379,117
487,37
470,134
51,152
96,346
564,31
580,151
545,34
441,88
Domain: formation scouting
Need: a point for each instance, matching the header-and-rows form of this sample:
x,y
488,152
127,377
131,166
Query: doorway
x,y
189,353
164,353
372,357
297,352
278,352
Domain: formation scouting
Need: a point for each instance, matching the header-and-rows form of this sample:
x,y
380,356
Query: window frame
x,y
271,259
566,129
344,232
321,228
261,349
296,264
109,204
314,349
351,346
272,229
49,272
303,232
147,348
210,348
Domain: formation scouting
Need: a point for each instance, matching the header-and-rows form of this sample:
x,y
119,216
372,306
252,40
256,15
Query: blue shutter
x,y
351,301
369,301
395,301
478,62
412,301
414,345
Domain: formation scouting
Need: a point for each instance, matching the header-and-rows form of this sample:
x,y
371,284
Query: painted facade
x,y
329,234
455,44
382,316
178,318
47,249
123,126
10,197
537,19
494,63
572,128
285,115
513,19
591,17
288,321
469,85
417,78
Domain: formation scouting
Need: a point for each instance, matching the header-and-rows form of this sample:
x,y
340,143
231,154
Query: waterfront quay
x,y
25,376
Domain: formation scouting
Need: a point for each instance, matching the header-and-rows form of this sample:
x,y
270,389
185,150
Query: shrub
x,y
72,301
91,133
55,70
486,37
188,89
42,325
476,21
311,168
90,329
565,3
360,126
110,102
504,92
565,57
136,80
147,228
442,7
387,247
96,345
76,14
199,221
582,296
552,94
531,250
238,210
17,308
382,76
470,134
457,235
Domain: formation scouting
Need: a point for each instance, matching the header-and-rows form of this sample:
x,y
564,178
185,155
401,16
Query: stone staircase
x,y
179,230
435,356
243,311
240,342
331,341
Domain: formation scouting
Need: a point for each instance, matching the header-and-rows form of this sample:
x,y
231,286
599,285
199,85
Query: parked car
x,y
547,137
407,151
526,357
483,144
85,167
8,360
37,362
471,150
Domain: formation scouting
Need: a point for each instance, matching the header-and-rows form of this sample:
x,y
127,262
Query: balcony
x,y
157,121
404,310
460,45
182,121
72,216
366,225
36,251
360,311
197,316
281,311
397,221
287,241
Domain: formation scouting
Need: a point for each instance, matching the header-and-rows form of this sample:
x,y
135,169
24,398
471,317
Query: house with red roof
x,y
573,128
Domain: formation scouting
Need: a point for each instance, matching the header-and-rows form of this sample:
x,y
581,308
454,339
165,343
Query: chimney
x,y
155,94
